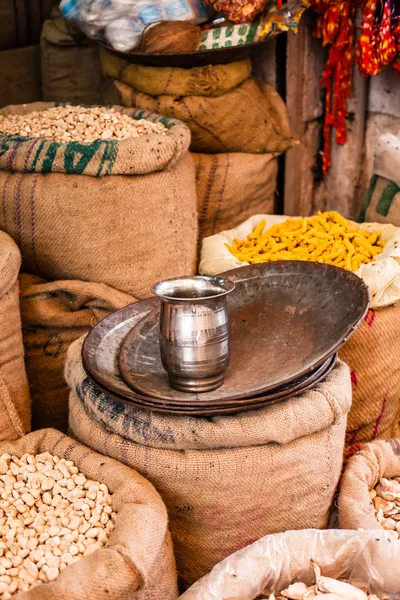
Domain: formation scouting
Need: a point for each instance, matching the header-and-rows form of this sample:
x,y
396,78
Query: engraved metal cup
x,y
194,331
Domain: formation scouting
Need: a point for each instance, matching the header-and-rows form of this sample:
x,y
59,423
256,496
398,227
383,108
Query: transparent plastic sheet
x,y
120,23
382,275
370,560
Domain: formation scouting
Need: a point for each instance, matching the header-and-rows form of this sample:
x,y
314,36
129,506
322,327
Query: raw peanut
x,y
75,123
386,500
51,515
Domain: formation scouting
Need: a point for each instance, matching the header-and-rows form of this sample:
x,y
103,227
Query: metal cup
x,y
194,331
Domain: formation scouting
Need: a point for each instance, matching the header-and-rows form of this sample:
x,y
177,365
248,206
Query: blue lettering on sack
x,y
115,411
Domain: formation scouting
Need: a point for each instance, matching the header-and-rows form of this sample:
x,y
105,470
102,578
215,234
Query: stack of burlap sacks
x,y
226,481
97,225
373,353
138,561
239,125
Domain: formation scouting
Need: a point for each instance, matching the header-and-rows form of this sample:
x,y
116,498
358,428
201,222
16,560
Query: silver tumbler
x,y
194,331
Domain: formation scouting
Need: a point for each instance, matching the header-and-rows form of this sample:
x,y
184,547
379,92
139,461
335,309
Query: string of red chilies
x,y
377,46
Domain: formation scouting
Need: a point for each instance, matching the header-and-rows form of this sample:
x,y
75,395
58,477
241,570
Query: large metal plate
x,y
101,349
188,60
229,409
287,318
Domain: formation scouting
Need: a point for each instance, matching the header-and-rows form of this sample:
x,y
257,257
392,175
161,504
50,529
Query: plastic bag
x,y
367,559
121,22
381,275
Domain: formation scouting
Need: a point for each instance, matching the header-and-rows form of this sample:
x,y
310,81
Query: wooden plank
x,y
384,94
305,60
343,180
20,76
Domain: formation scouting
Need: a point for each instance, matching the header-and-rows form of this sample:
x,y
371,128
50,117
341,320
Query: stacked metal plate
x,y
288,320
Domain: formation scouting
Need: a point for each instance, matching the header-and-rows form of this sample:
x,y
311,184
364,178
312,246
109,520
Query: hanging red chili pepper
x,y
378,45
396,34
335,26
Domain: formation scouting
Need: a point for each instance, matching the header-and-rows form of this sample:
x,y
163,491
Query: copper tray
x,y
100,356
183,410
287,318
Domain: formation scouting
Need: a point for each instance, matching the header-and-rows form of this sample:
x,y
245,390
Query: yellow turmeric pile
x,y
324,238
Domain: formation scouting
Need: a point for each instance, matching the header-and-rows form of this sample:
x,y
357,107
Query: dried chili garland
x,y
377,46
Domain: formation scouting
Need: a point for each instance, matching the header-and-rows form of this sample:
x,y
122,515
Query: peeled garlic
x,y
296,591
338,588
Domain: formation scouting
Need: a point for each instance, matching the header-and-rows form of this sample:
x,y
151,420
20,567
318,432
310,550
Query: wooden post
x,y
305,60
343,179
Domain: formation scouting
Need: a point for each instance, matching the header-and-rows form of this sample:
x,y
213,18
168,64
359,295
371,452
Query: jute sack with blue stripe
x,y
382,201
116,212
137,563
228,480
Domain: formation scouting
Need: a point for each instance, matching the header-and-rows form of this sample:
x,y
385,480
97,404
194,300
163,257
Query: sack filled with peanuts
x,y
76,525
369,496
372,251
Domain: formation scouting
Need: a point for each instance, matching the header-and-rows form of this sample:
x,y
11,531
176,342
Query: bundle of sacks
x,y
98,220
75,525
227,480
239,125
372,353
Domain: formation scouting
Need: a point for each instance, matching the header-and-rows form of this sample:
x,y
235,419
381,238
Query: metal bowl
x,y
189,60
287,318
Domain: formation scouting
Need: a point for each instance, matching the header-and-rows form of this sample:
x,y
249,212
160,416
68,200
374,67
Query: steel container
x,y
194,331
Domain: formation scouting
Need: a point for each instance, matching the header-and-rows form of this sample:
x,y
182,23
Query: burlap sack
x,y
232,187
382,201
53,316
367,560
137,563
373,350
226,481
81,211
373,357
211,81
250,118
362,473
62,49
13,381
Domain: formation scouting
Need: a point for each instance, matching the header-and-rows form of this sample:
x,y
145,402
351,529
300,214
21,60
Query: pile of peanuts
x,y
50,517
78,124
386,499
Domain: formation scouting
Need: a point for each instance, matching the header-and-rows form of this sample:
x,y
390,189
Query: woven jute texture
x,y
382,202
129,227
231,187
250,118
362,473
226,481
55,314
13,381
210,81
137,563
373,357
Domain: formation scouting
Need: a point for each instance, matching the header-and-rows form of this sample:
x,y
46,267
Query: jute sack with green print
x,y
382,202
116,212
